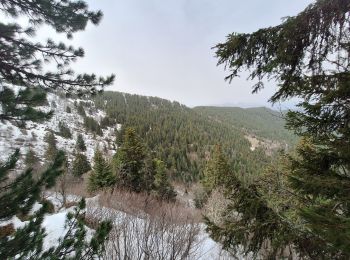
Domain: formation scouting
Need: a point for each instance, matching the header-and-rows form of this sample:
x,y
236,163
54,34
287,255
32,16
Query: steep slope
x,y
178,135
13,137
182,137
260,123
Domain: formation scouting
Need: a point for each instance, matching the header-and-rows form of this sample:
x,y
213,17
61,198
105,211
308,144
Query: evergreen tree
x,y
130,161
51,150
21,67
162,186
308,55
68,110
22,62
92,125
21,107
80,145
75,238
18,197
81,165
30,159
64,130
216,171
148,173
81,110
101,175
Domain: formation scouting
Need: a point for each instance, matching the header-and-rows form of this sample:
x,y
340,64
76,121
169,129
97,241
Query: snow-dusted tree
x,y
80,143
21,67
18,197
30,158
22,60
51,149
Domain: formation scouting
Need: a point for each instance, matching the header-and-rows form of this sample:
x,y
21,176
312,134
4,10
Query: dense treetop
x,y
308,56
179,136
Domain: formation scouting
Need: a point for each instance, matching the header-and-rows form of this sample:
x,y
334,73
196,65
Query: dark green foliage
x,y
129,161
64,130
217,170
107,121
261,122
308,55
21,67
80,145
22,59
120,135
17,197
162,187
81,110
21,107
92,125
81,165
30,159
51,150
101,175
178,135
74,239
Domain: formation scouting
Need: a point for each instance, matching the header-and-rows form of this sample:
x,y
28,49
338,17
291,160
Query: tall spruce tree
x,y
101,175
162,187
80,145
216,170
30,158
309,57
51,150
81,165
21,67
129,161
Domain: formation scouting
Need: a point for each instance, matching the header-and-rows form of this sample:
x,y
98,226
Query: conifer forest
x,y
179,130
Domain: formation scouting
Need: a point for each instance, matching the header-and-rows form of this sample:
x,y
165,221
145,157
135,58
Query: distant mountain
x,y
260,122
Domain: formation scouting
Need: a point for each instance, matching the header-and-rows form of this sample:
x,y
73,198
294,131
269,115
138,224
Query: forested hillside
x,y
180,136
261,122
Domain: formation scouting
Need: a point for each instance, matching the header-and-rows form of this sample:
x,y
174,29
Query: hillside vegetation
x,y
261,122
184,138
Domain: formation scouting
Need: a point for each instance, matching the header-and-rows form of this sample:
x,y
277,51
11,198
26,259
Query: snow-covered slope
x,y
12,137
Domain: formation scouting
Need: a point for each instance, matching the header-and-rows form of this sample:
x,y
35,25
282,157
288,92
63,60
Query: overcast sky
x,y
163,47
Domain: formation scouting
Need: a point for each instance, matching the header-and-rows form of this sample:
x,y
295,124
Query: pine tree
x,y
18,197
75,238
81,110
81,165
30,159
162,186
64,130
51,150
216,171
22,60
130,161
308,55
21,67
101,175
21,107
80,145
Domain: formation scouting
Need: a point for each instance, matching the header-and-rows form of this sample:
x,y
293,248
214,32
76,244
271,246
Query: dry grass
x,y
140,203
6,230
